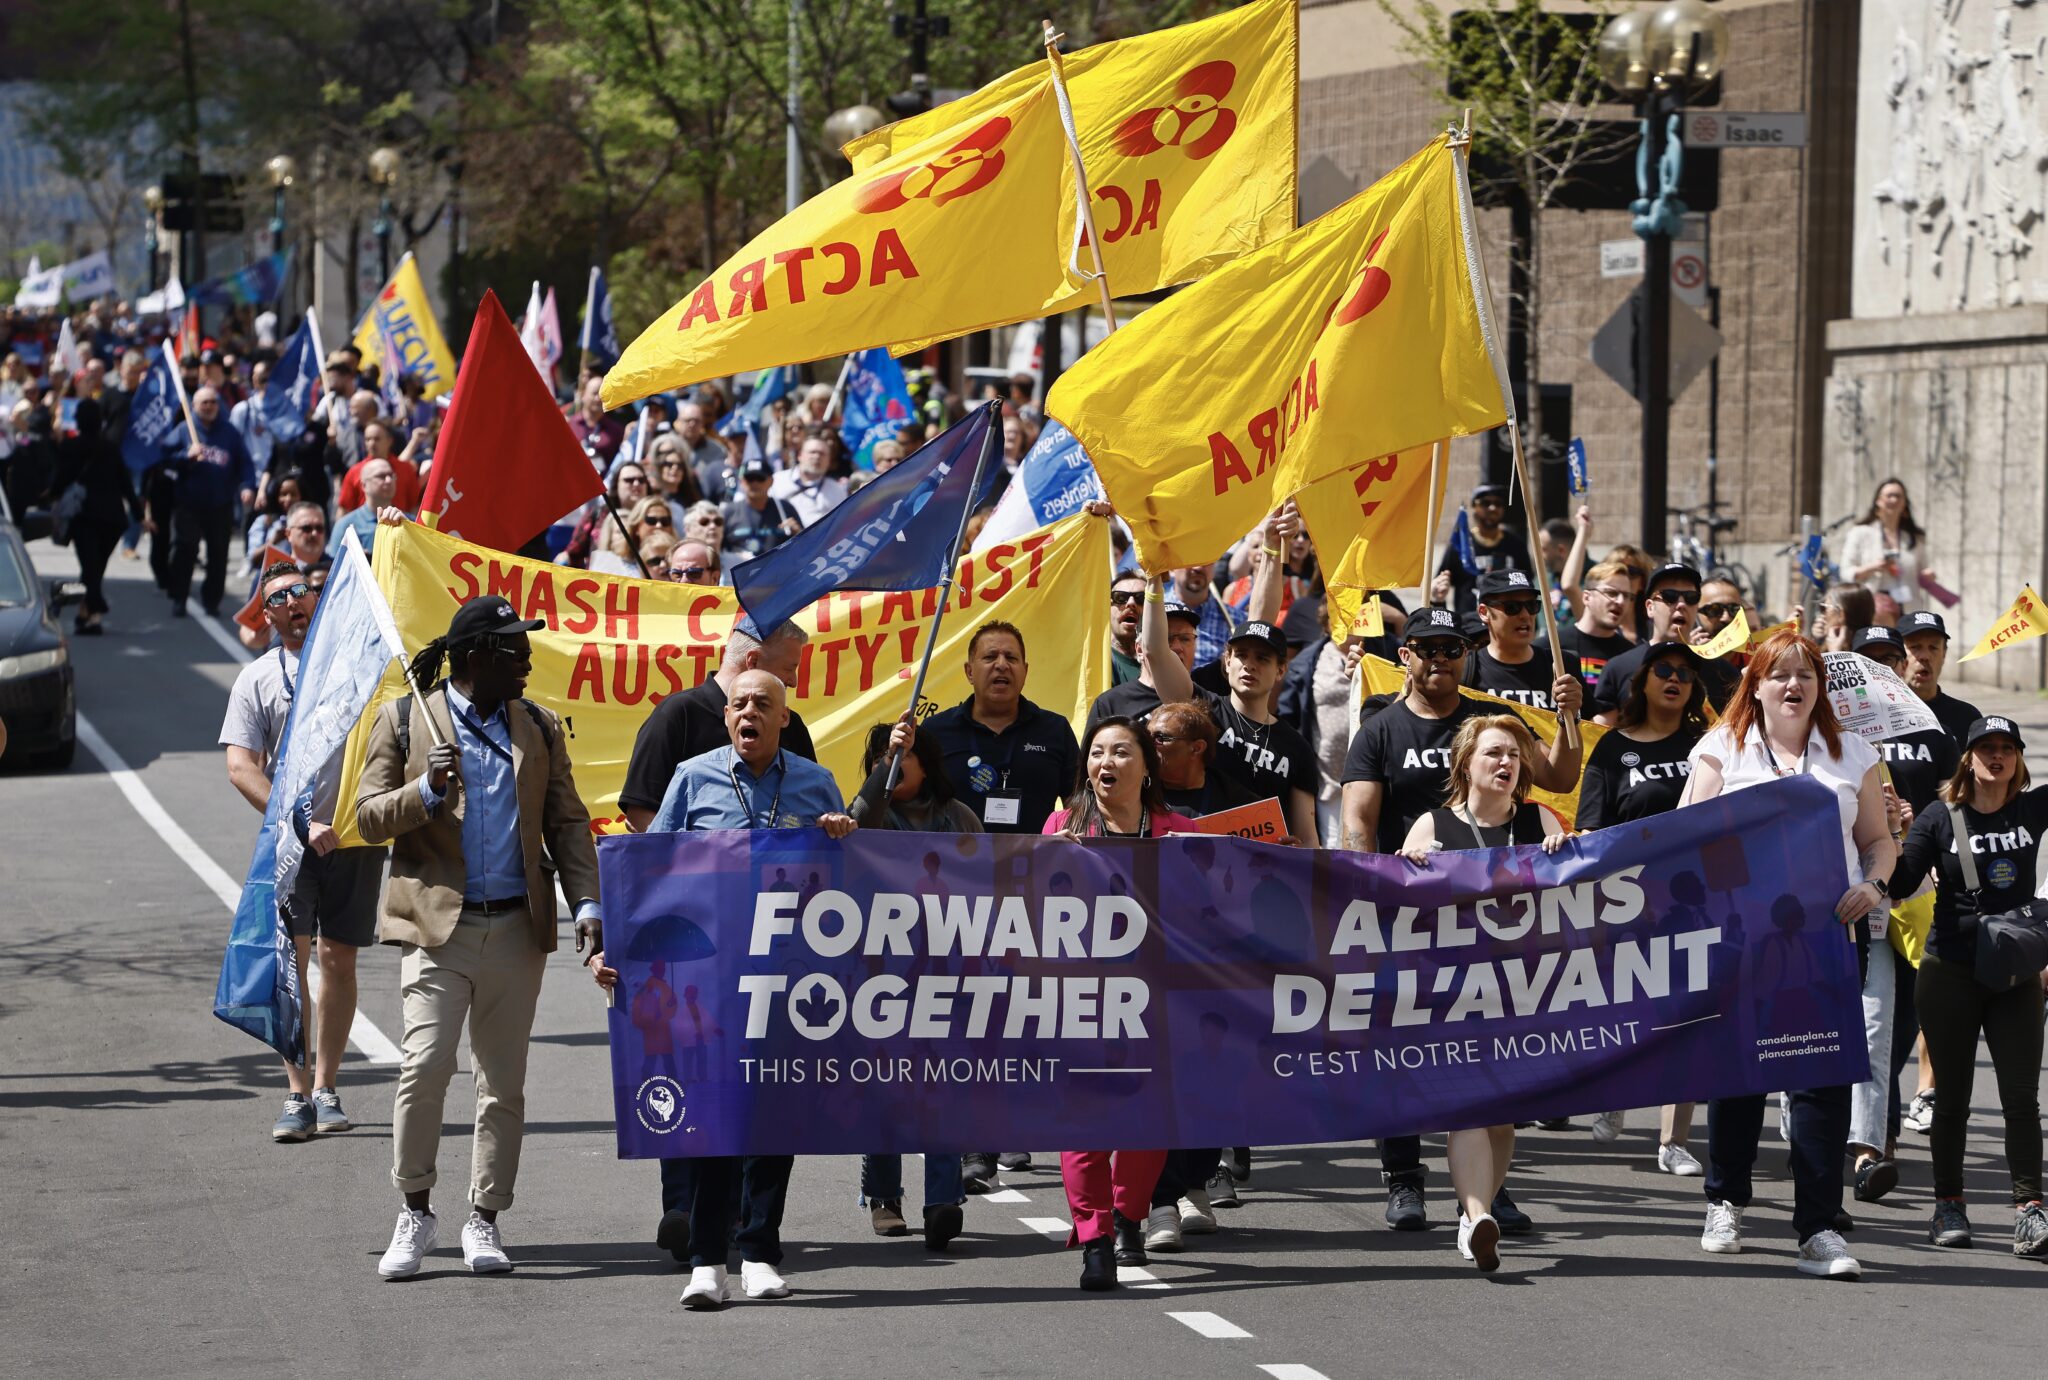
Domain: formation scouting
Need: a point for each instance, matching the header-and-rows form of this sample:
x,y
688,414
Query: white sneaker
x,y
1607,1127
414,1236
1162,1229
1723,1235
1196,1218
1825,1254
706,1289
1479,1240
482,1251
760,1281
1676,1159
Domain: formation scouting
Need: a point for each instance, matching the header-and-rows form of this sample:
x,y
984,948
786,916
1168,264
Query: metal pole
x,y
624,531
1436,461
989,442
1567,725
1653,342
792,154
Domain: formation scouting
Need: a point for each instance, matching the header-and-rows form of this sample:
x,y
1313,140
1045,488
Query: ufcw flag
x,y
403,315
947,237
1365,332
1188,136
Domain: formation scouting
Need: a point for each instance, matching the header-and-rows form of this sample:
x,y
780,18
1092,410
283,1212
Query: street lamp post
x,y
1659,58
153,199
384,172
283,171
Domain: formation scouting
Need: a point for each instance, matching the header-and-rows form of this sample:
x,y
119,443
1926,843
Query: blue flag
x,y
294,380
600,338
897,533
348,647
153,416
1053,480
769,386
1814,564
876,404
1575,477
260,282
1461,543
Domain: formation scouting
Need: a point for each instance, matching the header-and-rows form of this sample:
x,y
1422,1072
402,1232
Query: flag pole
x,y
1436,460
178,386
624,531
988,445
1082,198
589,306
839,388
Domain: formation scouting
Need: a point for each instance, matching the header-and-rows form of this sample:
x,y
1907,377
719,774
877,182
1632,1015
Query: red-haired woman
x,y
1779,723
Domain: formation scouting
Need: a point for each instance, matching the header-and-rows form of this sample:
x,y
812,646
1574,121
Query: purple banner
x,y
785,994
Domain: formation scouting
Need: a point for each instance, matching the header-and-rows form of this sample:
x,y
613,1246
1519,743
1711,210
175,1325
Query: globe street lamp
x,y
384,172
283,171
1659,58
842,127
153,199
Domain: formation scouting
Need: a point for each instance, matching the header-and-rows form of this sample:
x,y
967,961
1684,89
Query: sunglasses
x,y
1674,597
1515,608
627,481
1720,610
1119,597
652,521
278,598
1673,670
687,572
670,463
1166,739
1437,651
311,527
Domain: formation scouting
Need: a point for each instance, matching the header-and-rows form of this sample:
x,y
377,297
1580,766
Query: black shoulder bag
x,y
2012,946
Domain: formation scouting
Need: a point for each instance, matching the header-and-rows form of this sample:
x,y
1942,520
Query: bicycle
x,y
1705,556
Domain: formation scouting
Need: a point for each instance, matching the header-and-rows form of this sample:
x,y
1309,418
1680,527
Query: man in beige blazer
x,y
471,789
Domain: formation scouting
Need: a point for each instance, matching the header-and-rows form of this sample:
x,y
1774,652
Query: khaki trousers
x,y
489,972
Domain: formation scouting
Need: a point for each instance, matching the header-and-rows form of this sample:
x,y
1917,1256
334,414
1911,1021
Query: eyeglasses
x,y
310,527
1720,610
669,462
1604,592
1437,651
1166,739
1674,597
1119,597
1515,608
652,521
627,481
687,572
1891,659
278,598
1673,670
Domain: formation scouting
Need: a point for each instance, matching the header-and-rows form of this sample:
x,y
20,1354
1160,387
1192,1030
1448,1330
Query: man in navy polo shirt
x,y
1009,761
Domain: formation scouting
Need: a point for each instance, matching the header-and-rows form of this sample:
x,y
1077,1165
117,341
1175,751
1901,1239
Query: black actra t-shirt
x,y
1527,683
1266,759
1920,763
2005,845
1627,780
1955,715
1410,757
1589,653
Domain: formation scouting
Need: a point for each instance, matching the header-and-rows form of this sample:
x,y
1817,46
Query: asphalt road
x,y
150,1225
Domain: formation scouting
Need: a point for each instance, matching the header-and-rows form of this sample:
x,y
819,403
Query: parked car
x,y
38,700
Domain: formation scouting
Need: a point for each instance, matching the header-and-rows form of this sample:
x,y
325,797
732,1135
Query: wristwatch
x,y
1883,887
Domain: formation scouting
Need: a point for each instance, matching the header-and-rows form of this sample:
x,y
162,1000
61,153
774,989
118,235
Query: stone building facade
x,y
1779,245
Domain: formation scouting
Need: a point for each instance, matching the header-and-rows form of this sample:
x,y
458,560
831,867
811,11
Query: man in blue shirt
x,y
1215,625
214,472
750,783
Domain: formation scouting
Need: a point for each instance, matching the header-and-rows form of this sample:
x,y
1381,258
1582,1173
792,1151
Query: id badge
x,y
1002,807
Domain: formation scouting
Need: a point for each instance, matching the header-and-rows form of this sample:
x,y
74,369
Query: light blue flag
x,y
600,338
769,386
876,403
294,381
1054,479
352,640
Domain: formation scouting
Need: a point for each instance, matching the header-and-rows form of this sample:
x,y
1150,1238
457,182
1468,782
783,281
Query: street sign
x,y
1693,346
1621,258
1747,129
1624,259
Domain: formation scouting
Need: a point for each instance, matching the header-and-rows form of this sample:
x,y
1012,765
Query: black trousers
x,y
95,547
1820,1137
191,525
159,493
716,1192
1954,1008
1185,1169
1401,1161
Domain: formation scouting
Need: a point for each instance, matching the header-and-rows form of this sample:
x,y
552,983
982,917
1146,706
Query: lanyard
x,y
284,673
732,770
1763,748
469,721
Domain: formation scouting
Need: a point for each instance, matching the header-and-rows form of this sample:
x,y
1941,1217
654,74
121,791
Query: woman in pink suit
x,y
1109,1191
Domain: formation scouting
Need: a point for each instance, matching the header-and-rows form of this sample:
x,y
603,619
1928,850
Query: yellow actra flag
x,y
402,315
1364,333
1188,136
946,237
1375,512
2025,619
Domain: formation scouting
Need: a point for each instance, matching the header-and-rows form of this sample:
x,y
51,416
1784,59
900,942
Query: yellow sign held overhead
x,y
402,317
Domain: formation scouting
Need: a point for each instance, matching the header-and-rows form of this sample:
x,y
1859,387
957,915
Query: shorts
x,y
336,897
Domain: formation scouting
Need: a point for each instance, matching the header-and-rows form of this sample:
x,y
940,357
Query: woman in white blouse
x,y
1779,723
1885,553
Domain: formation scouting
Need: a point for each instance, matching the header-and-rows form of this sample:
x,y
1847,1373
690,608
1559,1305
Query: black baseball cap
x,y
1878,637
1430,623
1672,570
1993,725
1495,583
1499,491
1258,632
1922,621
491,614
757,468
1176,609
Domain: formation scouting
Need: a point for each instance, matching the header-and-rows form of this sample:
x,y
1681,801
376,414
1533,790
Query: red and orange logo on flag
x,y
967,167
1196,121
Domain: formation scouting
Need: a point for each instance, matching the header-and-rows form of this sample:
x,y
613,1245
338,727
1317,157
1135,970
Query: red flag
x,y
507,464
250,615
188,335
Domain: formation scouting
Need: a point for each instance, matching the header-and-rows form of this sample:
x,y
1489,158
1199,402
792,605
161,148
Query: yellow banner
x,y
1188,136
615,647
403,314
1383,677
1375,512
1362,333
1763,635
1733,638
2025,619
953,235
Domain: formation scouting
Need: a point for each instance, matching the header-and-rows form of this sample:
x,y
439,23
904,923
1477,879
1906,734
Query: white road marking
x,y
1210,1325
1288,1370
228,643
1055,1227
1138,1277
374,1044
1004,1195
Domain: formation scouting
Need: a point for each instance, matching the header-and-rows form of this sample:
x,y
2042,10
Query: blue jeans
x,y
881,1180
